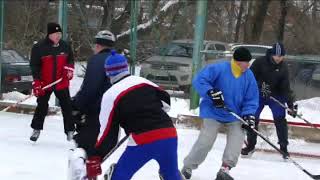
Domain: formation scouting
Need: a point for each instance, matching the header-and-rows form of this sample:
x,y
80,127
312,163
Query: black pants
x,y
42,110
88,133
279,119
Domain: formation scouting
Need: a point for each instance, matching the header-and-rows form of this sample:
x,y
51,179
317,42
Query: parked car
x,y
255,50
171,66
15,73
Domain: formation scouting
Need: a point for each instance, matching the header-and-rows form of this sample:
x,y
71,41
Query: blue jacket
x,y
95,83
241,94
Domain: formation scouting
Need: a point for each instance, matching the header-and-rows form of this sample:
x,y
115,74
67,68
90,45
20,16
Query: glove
x,y
68,72
265,90
37,88
251,123
293,110
93,165
217,97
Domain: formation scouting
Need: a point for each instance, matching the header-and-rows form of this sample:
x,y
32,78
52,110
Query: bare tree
x,y
282,20
239,20
108,11
259,15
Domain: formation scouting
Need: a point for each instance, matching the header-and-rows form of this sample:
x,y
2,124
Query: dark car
x,y
15,73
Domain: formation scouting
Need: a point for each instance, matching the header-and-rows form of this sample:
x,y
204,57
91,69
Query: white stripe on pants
x,y
206,139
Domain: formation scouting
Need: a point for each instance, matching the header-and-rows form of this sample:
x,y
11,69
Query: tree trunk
x,y
247,24
282,20
230,20
118,23
260,13
108,11
314,11
44,17
239,19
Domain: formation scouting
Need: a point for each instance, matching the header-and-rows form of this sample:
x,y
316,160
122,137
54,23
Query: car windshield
x,y
11,56
177,50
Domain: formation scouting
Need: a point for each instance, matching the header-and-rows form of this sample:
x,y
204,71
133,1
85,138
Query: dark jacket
x,y
274,75
48,63
95,83
135,104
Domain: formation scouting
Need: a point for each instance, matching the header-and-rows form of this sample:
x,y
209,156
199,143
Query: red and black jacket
x,y
136,105
49,63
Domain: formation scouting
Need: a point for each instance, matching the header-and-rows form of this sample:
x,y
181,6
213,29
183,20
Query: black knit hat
x,y
278,50
53,28
242,54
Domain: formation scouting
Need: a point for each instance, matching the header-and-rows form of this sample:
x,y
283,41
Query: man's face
x,y
278,59
244,65
97,48
55,37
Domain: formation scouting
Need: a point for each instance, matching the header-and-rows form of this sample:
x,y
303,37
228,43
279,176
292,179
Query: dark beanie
x,y
242,54
278,50
53,28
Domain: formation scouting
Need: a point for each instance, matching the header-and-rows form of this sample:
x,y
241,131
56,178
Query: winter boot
x,y
35,135
223,173
109,172
186,173
285,154
70,135
247,152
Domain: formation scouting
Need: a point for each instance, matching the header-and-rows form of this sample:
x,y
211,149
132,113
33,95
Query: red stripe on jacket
x,y
111,115
154,135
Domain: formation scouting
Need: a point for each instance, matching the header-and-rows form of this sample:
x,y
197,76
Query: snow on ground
x,y
47,159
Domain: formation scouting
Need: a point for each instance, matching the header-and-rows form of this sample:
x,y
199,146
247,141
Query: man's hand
x,y
293,110
251,122
68,72
217,97
93,165
37,88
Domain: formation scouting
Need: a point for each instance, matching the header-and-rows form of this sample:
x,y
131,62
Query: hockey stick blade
x,y
317,177
274,146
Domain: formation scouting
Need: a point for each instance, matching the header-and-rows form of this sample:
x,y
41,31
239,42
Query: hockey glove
x,y
265,90
93,165
216,97
293,110
250,120
68,72
37,88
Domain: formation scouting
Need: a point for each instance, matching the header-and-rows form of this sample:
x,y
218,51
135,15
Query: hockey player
x,y
51,60
272,77
137,105
86,103
224,84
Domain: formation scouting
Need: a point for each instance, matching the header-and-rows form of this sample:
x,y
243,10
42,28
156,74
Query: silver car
x,y
171,66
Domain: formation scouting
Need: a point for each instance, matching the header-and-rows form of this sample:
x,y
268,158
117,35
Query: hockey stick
x,y
31,95
317,177
115,148
298,115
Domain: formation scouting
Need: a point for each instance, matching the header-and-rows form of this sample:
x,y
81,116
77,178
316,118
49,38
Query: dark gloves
x,y
93,165
293,110
265,90
217,97
251,123
37,86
